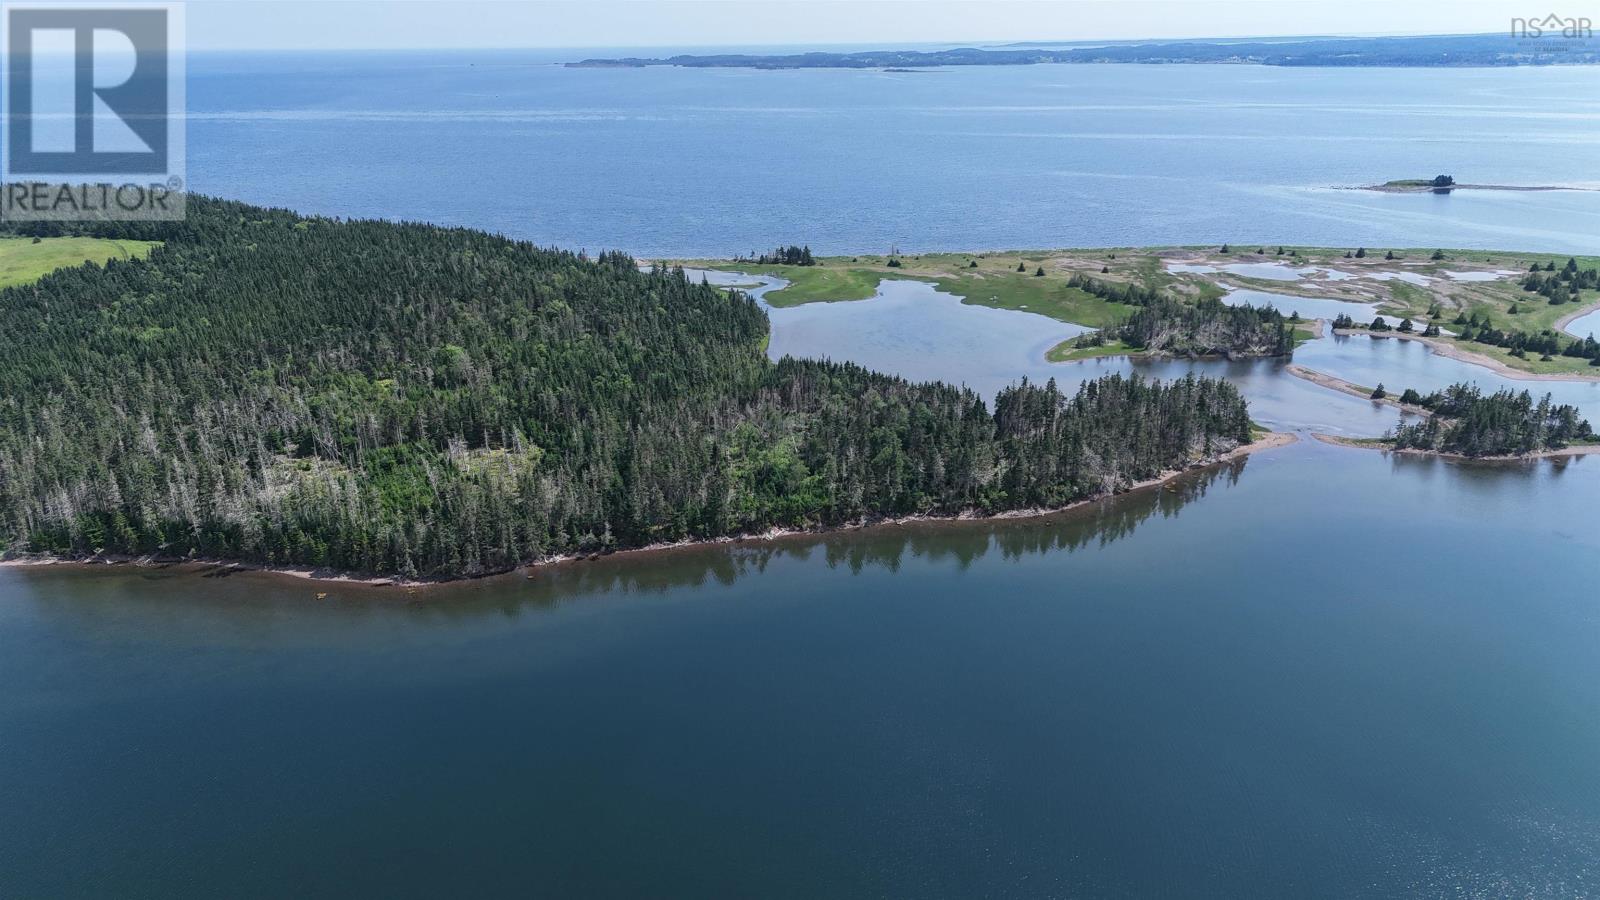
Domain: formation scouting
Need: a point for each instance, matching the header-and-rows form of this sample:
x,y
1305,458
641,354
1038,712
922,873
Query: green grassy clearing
x,y
815,284
1065,352
23,262
993,282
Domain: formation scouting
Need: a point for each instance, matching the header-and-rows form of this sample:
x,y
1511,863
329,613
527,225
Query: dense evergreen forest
x,y
1123,292
1560,285
1506,423
1206,327
403,398
782,256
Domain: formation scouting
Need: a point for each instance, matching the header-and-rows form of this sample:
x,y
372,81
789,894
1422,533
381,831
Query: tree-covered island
x,y
1165,326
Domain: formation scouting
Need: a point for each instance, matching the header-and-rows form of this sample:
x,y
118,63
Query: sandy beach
x,y
1354,390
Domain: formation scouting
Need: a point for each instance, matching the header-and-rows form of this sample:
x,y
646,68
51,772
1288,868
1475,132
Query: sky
x,y
401,24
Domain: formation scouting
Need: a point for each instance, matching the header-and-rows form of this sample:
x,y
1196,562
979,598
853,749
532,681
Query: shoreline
x,y
1268,441
1448,349
1376,444
1158,355
1562,323
1349,387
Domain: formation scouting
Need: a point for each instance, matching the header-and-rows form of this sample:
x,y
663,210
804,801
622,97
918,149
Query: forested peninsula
x,y
420,401
1467,422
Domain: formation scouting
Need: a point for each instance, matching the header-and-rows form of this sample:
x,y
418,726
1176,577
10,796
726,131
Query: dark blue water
x,y
717,162
1323,672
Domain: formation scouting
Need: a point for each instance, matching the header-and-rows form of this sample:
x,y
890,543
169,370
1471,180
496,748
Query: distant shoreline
x,y
1419,51
322,577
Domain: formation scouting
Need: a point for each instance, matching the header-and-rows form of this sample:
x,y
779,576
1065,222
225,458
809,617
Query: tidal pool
x,y
1496,275
1271,271
1415,278
1307,307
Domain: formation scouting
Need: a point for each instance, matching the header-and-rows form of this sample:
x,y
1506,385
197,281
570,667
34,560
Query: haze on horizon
x,y
220,25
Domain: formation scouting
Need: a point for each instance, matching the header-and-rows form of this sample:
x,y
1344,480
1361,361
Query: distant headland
x,y
1428,51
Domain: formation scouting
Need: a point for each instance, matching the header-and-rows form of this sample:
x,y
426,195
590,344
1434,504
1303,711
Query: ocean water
x,y
682,162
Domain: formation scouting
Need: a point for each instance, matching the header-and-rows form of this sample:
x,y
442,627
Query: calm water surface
x,y
917,332
1585,325
1307,307
1410,364
697,162
1206,690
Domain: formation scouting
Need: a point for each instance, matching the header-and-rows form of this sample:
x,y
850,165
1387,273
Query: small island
x,y
1444,184
1439,184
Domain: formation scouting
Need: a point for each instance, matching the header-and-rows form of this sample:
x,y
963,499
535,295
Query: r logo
x,y
93,104
87,91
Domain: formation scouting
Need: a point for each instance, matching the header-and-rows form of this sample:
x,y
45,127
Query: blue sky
x,y
319,24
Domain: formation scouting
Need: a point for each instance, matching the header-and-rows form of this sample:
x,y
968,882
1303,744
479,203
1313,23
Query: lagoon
x,y
914,331
1307,307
